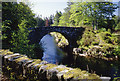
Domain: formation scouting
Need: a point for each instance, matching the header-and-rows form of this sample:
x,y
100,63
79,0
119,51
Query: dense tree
x,y
20,40
51,19
117,23
57,18
96,14
64,19
12,15
40,21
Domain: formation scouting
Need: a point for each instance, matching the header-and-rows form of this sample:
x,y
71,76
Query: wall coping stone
x,y
35,69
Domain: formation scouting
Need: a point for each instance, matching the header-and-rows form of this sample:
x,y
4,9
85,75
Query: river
x,y
51,52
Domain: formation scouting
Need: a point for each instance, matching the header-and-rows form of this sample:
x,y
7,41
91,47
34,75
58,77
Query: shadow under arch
x,y
70,33
51,52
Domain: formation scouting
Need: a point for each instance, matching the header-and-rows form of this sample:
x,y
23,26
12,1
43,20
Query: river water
x,y
51,52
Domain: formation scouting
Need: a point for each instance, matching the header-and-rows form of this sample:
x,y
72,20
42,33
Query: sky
x,y
45,8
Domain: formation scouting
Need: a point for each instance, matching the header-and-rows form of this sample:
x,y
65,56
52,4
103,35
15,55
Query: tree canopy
x,y
95,14
57,18
13,14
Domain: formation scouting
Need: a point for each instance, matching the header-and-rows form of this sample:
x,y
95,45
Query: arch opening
x,y
60,40
50,44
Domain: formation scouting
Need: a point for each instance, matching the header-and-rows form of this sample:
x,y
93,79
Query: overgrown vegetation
x,y
99,42
98,39
20,41
95,14
60,39
98,19
16,19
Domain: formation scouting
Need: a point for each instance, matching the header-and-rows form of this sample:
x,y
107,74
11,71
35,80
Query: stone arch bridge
x,y
70,33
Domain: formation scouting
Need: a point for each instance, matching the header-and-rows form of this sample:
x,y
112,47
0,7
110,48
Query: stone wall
x,y
19,67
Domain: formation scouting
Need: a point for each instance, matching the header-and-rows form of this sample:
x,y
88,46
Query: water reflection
x,y
52,53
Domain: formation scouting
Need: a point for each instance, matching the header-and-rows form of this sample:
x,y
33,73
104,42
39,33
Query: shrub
x,y
117,51
20,41
89,38
118,26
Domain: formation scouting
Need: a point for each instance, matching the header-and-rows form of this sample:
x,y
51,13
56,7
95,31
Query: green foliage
x,y
118,26
64,19
51,18
117,50
92,13
57,18
89,38
107,37
40,22
116,79
20,40
116,23
12,16
105,42
97,15
102,30
60,39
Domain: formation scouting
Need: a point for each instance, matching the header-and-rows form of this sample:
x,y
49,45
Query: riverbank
x,y
98,52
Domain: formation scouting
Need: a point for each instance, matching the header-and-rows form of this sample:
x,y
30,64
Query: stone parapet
x,y
19,67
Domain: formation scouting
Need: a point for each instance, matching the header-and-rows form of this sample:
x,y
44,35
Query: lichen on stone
x,y
50,66
22,58
93,76
62,69
5,52
36,61
78,74
8,53
72,73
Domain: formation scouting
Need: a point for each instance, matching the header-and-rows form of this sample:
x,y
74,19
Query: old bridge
x,y
70,33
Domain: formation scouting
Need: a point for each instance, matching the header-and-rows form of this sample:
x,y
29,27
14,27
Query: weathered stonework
x,y
23,68
72,34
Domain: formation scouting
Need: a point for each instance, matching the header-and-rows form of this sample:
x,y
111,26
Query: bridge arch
x,y
70,33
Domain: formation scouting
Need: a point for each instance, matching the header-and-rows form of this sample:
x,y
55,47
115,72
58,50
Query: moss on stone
x,y
14,56
72,73
8,53
36,61
22,58
50,66
69,72
78,74
62,69
5,52
1,50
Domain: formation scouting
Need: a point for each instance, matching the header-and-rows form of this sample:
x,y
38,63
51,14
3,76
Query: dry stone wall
x,y
19,67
